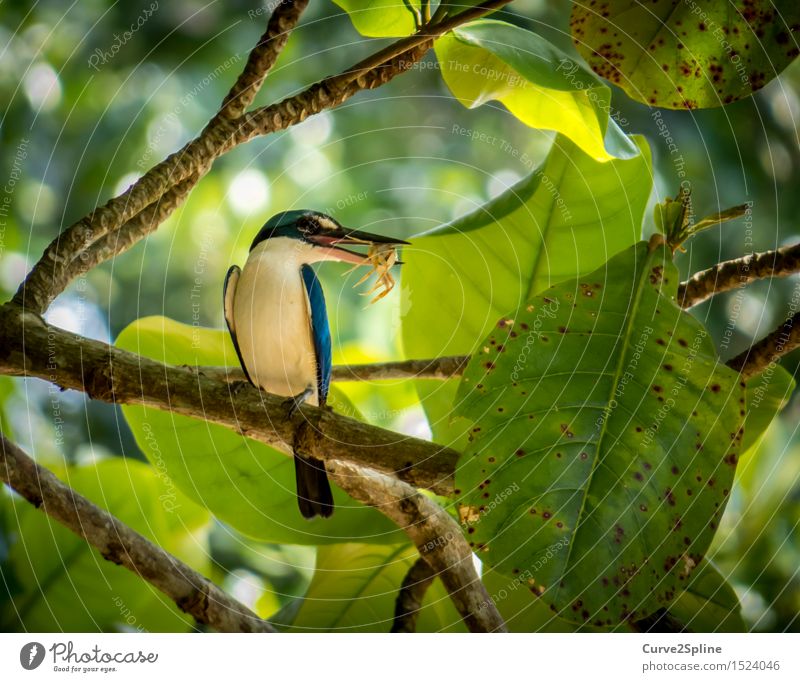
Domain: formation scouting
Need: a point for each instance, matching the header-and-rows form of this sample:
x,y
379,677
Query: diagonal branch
x,y
220,136
30,347
761,355
435,533
123,546
262,58
738,272
412,592
125,237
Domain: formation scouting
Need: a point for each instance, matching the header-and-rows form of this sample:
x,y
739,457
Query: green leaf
x,y
605,439
766,394
687,55
244,483
68,586
382,18
521,611
709,603
538,83
566,218
355,587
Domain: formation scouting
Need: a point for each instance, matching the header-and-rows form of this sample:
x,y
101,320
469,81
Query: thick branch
x,y
435,533
412,592
262,58
30,347
767,351
738,272
123,546
220,136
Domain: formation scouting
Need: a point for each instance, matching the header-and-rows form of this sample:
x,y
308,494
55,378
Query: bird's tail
x,y
314,496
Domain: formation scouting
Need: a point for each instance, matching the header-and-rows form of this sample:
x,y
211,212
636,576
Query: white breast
x,y
273,320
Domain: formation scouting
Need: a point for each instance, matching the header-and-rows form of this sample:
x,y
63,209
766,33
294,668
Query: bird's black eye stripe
x,y
308,226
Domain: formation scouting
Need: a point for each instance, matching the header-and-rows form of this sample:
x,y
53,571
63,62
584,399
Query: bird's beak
x,y
331,241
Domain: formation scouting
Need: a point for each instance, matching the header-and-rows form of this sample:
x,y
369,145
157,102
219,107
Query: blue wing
x,y
320,330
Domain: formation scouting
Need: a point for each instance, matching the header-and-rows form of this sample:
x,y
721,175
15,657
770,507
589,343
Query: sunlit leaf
x,y
538,83
566,218
68,586
685,55
605,439
244,483
355,588
382,18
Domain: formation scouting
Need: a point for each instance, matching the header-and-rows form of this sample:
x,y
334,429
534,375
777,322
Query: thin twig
x,y
123,546
412,592
30,347
446,367
738,272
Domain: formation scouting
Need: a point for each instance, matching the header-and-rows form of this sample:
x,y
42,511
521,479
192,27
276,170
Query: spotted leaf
x,y
604,441
684,54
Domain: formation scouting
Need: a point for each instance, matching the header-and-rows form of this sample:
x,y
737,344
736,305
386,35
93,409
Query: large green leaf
x,y
685,55
381,18
68,586
355,587
243,482
566,218
538,83
605,439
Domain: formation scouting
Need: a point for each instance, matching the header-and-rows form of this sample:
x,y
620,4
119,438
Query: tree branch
x,y
262,58
435,533
412,592
125,237
767,351
738,272
123,546
442,368
220,136
30,347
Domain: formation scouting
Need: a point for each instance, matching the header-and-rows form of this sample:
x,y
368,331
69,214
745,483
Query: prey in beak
x,y
381,255
333,238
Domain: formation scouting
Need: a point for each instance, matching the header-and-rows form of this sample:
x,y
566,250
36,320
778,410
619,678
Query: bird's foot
x,y
293,404
237,387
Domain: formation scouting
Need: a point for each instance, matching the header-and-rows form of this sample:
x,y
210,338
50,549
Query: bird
x,y
276,315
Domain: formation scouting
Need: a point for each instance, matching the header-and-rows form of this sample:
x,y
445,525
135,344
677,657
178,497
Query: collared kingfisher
x,y
276,315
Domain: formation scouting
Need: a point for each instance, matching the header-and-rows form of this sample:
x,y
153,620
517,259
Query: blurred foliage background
x,y
84,114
